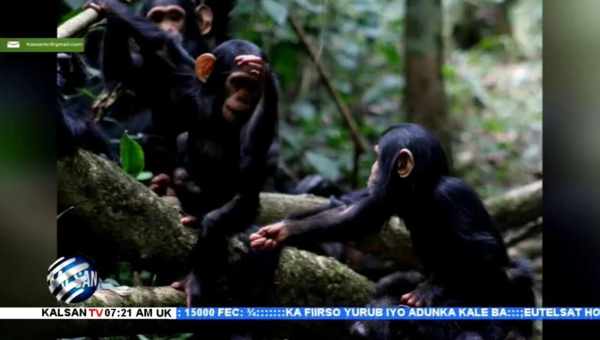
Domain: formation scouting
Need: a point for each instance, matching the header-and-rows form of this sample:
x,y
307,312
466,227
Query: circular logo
x,y
72,279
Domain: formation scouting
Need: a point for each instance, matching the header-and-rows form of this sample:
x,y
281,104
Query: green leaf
x,y
276,11
325,166
309,6
144,176
132,156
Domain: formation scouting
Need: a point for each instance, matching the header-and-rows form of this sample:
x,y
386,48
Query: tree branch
x,y
357,139
77,23
80,22
517,207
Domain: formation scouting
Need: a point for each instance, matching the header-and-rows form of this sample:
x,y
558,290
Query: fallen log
x,y
145,228
301,279
517,207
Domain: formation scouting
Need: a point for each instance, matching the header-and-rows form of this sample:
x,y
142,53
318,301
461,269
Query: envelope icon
x,y
13,44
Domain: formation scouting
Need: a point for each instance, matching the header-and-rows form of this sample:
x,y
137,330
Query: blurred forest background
x,y
469,70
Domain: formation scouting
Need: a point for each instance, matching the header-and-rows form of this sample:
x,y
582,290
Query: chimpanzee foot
x,y
423,296
190,221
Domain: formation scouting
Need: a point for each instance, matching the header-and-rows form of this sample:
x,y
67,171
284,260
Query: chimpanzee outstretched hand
x,y
269,237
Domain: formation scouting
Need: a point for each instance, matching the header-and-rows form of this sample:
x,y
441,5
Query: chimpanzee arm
x,y
161,63
338,224
334,202
149,37
310,212
257,137
75,132
117,61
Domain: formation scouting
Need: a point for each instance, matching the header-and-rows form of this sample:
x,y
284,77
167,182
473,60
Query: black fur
x,y
463,255
144,73
225,162
74,128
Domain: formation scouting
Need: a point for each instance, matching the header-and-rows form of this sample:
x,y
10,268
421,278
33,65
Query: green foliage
x,y
276,11
132,158
358,43
493,90
327,167
361,45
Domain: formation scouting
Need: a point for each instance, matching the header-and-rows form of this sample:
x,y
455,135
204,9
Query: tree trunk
x,y
425,98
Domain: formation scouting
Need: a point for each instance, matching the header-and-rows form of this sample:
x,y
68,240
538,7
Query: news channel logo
x,y
72,279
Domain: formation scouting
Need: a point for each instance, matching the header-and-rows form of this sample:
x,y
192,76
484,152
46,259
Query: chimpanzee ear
x,y
406,163
205,64
205,19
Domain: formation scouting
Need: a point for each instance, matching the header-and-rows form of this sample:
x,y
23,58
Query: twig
x,y
77,23
528,231
80,22
361,144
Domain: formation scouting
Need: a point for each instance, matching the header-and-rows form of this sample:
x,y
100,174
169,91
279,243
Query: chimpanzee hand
x,y
161,184
191,286
252,64
269,237
423,296
105,6
163,187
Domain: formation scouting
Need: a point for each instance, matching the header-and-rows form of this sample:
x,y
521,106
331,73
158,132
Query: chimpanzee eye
x,y
157,16
242,83
238,82
175,15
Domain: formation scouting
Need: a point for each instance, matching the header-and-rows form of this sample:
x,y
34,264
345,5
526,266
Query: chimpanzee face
x,y
404,164
374,176
179,18
243,85
170,19
243,92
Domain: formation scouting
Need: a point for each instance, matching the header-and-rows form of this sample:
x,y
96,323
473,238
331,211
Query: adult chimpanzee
x,y
139,74
463,255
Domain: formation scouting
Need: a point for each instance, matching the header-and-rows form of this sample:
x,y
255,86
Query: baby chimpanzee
x,y
230,99
463,255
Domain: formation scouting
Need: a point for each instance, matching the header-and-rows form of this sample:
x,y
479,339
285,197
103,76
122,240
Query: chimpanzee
x,y
75,132
73,128
463,256
234,100
139,74
199,24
